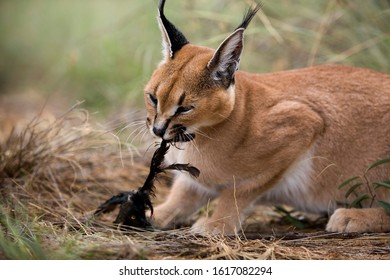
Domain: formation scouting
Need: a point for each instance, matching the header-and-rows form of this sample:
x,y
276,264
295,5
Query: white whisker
x,y
122,120
144,134
193,142
135,131
200,132
130,125
140,131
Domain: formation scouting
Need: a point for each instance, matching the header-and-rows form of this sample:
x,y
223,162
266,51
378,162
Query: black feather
x,y
155,168
192,170
134,204
110,204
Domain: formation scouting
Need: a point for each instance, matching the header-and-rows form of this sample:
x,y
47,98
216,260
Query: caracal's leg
x,y
185,198
232,209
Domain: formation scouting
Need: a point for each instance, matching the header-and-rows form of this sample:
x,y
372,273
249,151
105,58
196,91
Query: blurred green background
x,y
104,51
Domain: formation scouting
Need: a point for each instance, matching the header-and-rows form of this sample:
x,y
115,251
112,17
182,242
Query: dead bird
x,y
134,204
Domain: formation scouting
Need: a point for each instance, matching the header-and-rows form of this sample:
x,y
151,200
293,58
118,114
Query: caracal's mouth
x,y
177,134
181,134
183,137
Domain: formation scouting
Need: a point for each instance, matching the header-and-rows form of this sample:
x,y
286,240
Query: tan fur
x,y
287,137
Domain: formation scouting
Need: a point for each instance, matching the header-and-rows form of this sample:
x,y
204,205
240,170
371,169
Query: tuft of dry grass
x,y
64,165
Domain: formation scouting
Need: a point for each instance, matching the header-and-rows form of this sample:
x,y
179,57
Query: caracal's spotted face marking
x,y
287,138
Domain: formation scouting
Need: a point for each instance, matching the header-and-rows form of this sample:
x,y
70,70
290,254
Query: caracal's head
x,y
193,87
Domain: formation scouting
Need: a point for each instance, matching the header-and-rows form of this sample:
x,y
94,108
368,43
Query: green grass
x,y
362,189
16,242
105,51
24,237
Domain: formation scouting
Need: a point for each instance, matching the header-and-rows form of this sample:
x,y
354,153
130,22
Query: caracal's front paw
x,y
167,217
359,220
208,226
162,217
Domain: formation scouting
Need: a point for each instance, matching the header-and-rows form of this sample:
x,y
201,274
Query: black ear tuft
x,y
226,59
249,16
173,39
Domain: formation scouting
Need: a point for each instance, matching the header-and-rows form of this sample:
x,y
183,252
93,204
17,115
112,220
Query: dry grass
x,y
54,173
60,161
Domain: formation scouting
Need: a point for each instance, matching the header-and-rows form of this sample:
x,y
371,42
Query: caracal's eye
x,y
184,110
153,100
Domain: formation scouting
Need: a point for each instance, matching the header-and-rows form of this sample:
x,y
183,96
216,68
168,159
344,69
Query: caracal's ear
x,y
226,58
173,39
